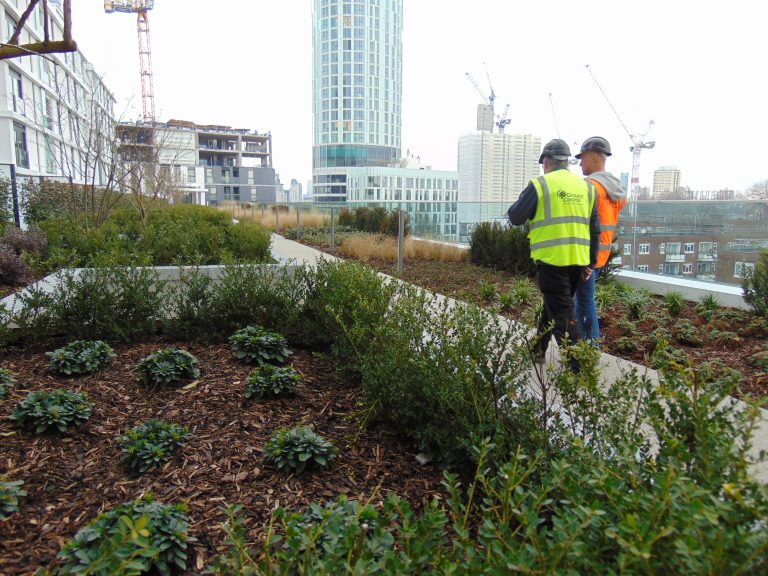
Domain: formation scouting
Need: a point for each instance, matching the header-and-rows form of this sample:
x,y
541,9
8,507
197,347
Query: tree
x,y
758,190
48,46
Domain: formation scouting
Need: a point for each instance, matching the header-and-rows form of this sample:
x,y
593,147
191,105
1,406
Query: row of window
x,y
706,268
673,248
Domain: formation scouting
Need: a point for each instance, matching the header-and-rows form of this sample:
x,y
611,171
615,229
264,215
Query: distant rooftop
x,y
189,125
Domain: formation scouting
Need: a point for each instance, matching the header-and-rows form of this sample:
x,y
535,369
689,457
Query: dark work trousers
x,y
558,284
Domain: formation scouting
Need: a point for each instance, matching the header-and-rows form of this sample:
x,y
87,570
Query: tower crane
x,y
500,121
639,143
140,8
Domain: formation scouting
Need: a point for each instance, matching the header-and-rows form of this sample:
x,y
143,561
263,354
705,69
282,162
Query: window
x,y
642,268
644,249
662,247
740,268
627,249
20,137
17,91
673,248
687,268
661,268
688,248
209,177
706,248
191,174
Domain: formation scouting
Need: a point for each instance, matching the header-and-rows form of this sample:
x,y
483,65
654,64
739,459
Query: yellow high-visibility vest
x,y
559,231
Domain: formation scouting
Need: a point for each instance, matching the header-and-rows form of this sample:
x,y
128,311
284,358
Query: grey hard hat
x,y
556,149
595,144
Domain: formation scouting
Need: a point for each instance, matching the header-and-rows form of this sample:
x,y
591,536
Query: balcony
x,y
674,257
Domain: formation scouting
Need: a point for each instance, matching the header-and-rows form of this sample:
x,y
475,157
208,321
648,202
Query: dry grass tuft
x,y
366,247
270,220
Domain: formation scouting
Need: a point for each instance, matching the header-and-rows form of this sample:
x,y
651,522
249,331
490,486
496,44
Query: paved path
x,y
610,367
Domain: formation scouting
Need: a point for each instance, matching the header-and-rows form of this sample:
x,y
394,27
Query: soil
x,y
72,478
463,281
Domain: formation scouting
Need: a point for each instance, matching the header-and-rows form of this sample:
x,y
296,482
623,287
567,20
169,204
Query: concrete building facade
x,y
204,163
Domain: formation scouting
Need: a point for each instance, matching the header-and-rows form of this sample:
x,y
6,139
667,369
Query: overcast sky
x,y
697,69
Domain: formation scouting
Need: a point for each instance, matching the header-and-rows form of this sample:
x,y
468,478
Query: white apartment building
x,y
493,169
429,197
666,181
56,115
356,88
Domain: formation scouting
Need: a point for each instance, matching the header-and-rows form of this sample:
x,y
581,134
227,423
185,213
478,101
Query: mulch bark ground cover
x,y
462,280
72,478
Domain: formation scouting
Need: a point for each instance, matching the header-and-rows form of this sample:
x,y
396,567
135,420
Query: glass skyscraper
x,y
356,89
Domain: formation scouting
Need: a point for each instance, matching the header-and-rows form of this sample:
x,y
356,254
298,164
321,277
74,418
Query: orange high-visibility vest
x,y
608,212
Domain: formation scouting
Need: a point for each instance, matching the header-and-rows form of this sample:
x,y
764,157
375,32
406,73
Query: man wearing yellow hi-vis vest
x,y
564,235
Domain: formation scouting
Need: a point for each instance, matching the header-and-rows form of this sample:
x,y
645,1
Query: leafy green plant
x,y
523,291
626,344
506,301
59,409
637,301
708,302
606,297
271,381
6,383
298,449
674,302
259,345
502,247
724,338
757,327
755,285
81,357
167,366
140,537
686,333
759,360
10,492
488,292
151,444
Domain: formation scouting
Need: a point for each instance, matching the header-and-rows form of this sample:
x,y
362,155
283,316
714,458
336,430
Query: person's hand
x,y
587,273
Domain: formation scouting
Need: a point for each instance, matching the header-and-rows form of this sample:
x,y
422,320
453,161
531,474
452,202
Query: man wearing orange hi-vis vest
x,y
564,234
611,198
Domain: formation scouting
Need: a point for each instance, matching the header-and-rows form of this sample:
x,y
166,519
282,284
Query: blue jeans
x,y
586,311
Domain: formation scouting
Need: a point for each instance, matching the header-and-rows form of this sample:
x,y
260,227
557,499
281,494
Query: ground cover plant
x,y
258,345
6,383
10,493
80,357
151,444
61,409
268,381
298,449
167,366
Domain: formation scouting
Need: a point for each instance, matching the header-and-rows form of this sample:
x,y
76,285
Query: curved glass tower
x,y
356,89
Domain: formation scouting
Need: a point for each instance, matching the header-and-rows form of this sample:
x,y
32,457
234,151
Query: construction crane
x,y
639,143
501,121
554,116
140,8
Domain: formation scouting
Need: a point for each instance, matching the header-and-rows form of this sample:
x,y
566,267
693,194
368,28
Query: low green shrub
x,y
6,383
140,537
151,444
80,357
167,366
502,247
507,301
10,492
298,449
373,220
188,306
259,345
268,381
637,301
523,291
755,285
249,242
13,270
59,409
